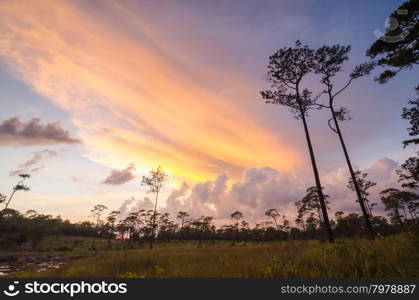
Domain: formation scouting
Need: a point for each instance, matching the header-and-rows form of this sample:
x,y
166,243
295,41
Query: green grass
x,y
392,256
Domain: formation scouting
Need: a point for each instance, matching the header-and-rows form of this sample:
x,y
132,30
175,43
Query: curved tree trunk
x,y
10,198
357,189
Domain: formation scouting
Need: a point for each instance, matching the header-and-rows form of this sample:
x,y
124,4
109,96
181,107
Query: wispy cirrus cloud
x,y
36,163
130,97
15,132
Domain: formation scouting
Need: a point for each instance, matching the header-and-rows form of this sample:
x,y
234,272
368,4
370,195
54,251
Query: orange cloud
x,y
131,100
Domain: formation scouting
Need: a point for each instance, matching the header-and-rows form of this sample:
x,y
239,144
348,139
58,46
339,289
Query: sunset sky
x,y
94,94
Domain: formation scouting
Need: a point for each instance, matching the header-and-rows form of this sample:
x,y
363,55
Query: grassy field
x,y
392,256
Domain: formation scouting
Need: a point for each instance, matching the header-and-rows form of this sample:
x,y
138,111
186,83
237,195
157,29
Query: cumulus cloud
x,y
119,177
176,199
35,163
258,190
381,171
382,168
262,188
15,132
134,205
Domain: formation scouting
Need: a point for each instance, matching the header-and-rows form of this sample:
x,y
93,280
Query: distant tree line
x,y
142,226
